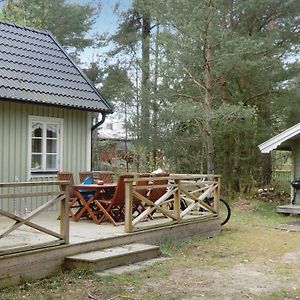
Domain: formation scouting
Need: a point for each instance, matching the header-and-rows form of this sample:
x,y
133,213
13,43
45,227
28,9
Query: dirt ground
x,y
255,257
252,259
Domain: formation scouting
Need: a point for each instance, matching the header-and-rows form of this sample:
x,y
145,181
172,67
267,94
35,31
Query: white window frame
x,y
45,120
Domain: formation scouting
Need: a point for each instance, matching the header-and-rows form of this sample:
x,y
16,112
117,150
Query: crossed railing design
x,y
61,198
183,200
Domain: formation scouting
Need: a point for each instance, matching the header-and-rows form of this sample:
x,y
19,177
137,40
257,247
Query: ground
x,y
255,257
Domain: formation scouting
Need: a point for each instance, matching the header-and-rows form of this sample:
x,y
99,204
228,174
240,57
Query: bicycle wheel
x,y
224,211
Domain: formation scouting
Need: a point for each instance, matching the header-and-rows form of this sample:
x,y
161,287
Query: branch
x,y
194,98
259,95
193,79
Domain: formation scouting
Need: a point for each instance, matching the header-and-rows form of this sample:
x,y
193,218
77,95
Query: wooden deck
x,y
35,245
84,236
289,209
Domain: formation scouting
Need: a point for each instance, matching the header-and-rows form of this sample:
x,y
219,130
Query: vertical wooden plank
x,y
177,201
128,207
217,179
88,141
64,215
1,139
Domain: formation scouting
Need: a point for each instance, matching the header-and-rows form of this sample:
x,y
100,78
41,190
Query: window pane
x,y
51,131
36,162
51,146
36,145
51,162
37,129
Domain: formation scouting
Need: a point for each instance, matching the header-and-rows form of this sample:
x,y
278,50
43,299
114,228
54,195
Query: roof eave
x,y
274,142
22,101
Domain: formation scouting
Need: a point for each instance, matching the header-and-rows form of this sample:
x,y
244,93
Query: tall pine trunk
x,y
155,104
208,81
145,94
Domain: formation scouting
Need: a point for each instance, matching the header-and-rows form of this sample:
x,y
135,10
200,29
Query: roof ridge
x,y
10,23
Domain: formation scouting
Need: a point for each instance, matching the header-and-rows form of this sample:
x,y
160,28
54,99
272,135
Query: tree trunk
x,y
208,80
155,104
145,95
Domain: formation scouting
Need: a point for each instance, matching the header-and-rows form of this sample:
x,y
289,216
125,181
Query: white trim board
x,y
60,123
277,140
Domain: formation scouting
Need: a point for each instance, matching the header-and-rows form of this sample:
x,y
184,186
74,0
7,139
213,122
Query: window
x,y
45,145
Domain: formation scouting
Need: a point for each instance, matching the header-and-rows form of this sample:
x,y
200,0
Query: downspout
x,y
95,126
99,123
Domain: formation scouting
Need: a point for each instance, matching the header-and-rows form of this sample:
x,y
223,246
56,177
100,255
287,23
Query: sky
x,y
106,22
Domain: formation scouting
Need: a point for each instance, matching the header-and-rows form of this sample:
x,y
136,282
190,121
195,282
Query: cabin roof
x,y
280,141
34,68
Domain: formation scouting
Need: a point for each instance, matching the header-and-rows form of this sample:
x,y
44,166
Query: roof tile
x,y
34,68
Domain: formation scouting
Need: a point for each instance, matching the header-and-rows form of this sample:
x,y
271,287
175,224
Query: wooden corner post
x,y
217,193
64,215
128,206
177,201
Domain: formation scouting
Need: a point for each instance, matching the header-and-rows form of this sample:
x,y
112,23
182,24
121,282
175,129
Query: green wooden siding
x,y
14,118
296,165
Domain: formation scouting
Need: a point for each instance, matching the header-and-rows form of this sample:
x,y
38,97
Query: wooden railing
x,y
61,198
183,200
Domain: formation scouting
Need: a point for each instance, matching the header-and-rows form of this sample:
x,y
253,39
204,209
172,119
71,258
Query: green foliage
x,y
68,22
191,77
117,86
94,73
248,42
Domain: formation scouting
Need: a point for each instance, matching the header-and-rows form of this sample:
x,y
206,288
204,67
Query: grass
x,y
244,261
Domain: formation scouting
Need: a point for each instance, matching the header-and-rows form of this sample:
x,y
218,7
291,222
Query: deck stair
x,y
289,209
111,257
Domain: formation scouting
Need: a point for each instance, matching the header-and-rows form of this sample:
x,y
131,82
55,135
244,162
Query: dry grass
x,y
249,260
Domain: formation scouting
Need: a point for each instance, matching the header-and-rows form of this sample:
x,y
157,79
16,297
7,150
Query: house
x,y
46,107
288,140
115,145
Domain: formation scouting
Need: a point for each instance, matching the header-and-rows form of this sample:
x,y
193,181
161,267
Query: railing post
x,y
64,215
177,201
217,193
128,206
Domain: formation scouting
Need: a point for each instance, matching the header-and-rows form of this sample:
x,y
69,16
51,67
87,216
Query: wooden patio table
x,y
87,204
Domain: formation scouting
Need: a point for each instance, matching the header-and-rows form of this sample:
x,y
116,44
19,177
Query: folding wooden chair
x,y
106,176
156,193
137,204
113,209
74,201
84,174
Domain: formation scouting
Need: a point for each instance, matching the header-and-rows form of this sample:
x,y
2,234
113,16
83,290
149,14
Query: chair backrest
x,y
106,176
156,193
62,176
143,192
119,195
84,175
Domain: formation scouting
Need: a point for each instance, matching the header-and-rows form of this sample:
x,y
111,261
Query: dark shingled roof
x,y
34,68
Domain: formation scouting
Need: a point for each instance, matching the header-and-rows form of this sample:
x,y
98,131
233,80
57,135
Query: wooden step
x,y
112,257
289,209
